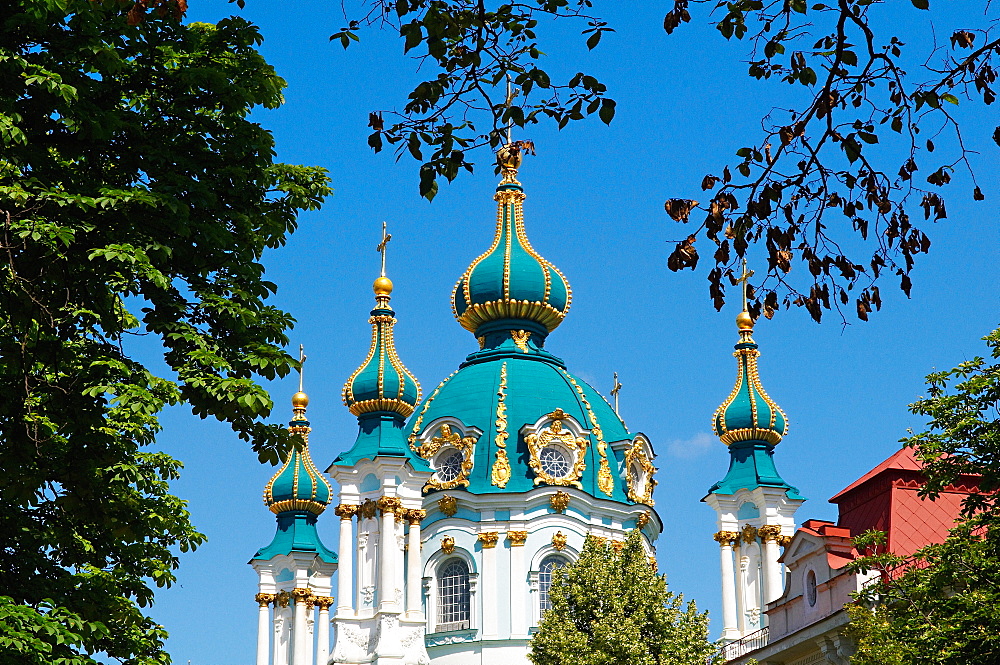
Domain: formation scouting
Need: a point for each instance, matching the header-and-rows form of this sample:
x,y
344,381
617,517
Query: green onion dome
x,y
748,414
512,417
382,383
510,281
298,485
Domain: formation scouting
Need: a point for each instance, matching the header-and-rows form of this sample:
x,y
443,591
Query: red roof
x,y
903,460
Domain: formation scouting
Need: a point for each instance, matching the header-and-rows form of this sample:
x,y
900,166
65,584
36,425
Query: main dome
x,y
510,281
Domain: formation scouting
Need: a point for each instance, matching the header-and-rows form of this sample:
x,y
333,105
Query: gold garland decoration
x,y
605,481
500,473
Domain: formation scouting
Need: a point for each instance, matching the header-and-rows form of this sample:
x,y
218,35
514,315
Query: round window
x,y
554,461
450,466
811,588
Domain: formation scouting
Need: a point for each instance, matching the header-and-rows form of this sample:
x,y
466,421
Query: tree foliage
x,y
940,607
850,166
611,607
136,199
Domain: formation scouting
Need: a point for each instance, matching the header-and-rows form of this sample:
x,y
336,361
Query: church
x,y
456,508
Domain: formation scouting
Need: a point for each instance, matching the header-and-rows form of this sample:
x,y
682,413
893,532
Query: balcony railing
x,y
742,646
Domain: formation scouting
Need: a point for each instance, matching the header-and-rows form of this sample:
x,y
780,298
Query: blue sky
x,y
595,209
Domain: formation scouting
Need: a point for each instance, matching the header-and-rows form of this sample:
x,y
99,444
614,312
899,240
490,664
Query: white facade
x,y
503,540
293,621
753,526
379,618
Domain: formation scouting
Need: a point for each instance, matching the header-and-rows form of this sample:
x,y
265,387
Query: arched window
x,y
549,566
453,595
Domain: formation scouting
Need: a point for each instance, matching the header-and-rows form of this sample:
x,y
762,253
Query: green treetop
x,y
611,607
136,198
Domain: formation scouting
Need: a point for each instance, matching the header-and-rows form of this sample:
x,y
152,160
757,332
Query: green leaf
x,y
607,112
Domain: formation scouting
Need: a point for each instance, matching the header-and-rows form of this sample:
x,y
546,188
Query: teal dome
x,y
502,393
748,414
298,485
510,281
382,383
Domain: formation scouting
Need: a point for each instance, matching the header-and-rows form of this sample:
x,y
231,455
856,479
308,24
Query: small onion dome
x,y
298,485
748,414
511,280
382,383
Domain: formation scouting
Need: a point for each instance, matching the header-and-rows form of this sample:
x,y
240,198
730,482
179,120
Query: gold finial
x,y
383,285
615,390
300,400
743,320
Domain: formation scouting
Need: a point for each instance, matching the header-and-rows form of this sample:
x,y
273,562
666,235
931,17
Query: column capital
x,y
324,602
414,516
264,599
489,539
725,538
517,538
784,541
346,511
389,504
769,532
301,594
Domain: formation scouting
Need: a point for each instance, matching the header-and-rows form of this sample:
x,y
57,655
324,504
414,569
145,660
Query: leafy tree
x,y
136,198
940,607
850,164
611,607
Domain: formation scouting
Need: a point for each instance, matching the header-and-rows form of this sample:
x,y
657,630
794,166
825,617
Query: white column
x,y
323,629
345,572
491,599
772,568
519,610
730,631
263,628
413,581
282,630
387,550
301,653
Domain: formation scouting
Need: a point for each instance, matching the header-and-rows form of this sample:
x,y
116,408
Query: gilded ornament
x,y
517,538
784,541
769,532
639,472
642,520
500,473
447,438
482,342
346,511
489,539
726,537
559,501
556,435
447,544
324,602
389,504
368,509
652,563
264,599
282,599
521,338
559,541
605,482
600,540
448,505
749,534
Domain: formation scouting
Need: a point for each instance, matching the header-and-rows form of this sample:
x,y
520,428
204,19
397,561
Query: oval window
x,y
811,588
554,462
451,466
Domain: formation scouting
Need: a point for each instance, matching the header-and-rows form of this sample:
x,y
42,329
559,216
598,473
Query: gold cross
x,y
743,280
615,391
302,362
386,237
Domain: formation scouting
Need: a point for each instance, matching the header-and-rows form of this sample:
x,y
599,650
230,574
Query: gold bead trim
x,y
605,481
412,439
